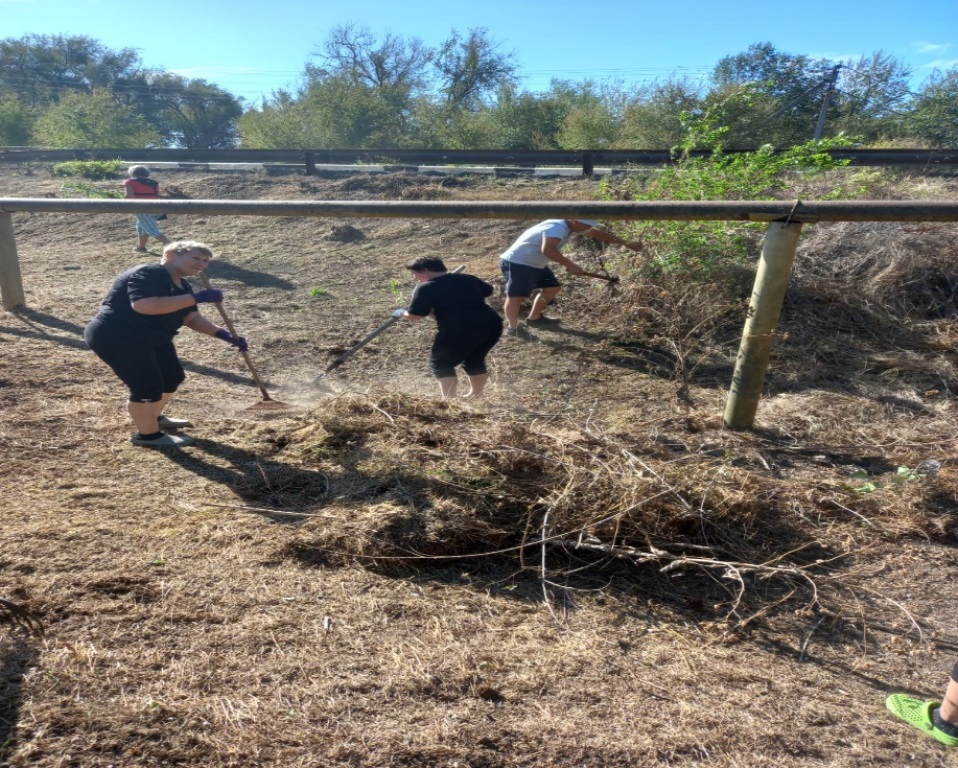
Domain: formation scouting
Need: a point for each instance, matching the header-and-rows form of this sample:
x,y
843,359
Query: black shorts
x,y
149,371
522,280
465,346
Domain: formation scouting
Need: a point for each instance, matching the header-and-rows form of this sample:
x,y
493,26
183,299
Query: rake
x,y
267,403
610,279
362,343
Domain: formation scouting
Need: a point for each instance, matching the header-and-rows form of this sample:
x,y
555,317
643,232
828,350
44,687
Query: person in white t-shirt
x,y
525,266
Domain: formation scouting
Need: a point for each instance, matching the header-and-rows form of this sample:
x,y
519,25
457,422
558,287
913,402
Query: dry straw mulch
x,y
412,484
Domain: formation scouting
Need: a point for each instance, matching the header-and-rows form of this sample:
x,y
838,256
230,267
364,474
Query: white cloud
x,y
922,46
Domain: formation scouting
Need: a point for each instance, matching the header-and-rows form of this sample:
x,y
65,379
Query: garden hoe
x,y
360,344
267,403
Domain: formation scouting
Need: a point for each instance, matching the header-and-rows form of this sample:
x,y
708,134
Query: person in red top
x,y
141,187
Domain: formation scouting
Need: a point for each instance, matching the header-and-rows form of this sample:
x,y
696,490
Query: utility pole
x,y
826,100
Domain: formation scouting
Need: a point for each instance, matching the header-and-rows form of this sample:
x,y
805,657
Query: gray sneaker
x,y
543,320
165,422
166,441
519,332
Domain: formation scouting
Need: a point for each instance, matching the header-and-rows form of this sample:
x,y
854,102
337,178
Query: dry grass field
x,y
584,569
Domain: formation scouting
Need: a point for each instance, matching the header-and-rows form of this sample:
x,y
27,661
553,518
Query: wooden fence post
x,y
11,281
768,295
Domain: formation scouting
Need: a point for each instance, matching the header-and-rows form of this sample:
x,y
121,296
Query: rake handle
x,y
232,330
366,339
607,278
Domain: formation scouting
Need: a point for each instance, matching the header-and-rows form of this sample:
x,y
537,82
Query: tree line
x,y
381,91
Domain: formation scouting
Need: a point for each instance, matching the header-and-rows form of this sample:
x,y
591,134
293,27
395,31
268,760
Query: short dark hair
x,y
427,264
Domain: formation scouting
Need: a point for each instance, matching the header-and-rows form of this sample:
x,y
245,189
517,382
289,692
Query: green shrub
x,y
91,169
86,189
704,248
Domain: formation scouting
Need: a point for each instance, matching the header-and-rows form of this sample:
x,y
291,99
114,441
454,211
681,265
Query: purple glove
x,y
208,296
237,341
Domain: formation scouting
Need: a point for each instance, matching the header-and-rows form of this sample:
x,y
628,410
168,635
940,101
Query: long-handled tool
x,y
338,361
268,403
608,278
354,349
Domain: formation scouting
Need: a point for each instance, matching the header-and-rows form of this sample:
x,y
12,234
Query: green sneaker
x,y
918,713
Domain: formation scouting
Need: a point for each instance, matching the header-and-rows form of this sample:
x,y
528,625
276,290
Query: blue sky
x,y
252,48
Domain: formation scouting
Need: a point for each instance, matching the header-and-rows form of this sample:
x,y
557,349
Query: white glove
x,y
399,313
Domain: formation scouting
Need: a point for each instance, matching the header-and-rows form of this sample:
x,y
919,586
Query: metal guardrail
x,y
681,210
585,159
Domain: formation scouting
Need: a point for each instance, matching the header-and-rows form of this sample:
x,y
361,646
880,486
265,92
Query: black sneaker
x,y
543,320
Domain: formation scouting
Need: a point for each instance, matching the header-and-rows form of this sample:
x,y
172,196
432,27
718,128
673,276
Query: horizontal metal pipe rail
x,y
784,218
586,159
744,210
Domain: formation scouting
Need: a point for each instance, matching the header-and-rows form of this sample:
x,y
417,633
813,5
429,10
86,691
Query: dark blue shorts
x,y
522,280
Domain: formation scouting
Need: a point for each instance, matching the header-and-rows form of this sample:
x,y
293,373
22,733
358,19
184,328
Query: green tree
x,y
871,95
653,116
94,120
43,68
358,72
16,121
471,70
282,122
594,117
193,114
333,112
785,95
355,54
933,114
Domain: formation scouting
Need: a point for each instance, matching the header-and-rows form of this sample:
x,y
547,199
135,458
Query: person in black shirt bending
x,y
468,328
134,329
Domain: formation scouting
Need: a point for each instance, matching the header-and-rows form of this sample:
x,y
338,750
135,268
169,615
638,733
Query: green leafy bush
x,y
86,189
91,169
700,248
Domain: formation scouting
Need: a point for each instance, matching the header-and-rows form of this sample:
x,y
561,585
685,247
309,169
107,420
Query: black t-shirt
x,y
455,299
146,281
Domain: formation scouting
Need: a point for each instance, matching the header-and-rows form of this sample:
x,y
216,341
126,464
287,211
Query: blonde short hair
x,y
180,246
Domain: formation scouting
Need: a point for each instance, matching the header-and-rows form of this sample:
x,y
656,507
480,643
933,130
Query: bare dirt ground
x,y
360,581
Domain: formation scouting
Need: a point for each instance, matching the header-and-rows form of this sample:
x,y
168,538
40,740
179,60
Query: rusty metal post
x,y
11,281
588,165
768,295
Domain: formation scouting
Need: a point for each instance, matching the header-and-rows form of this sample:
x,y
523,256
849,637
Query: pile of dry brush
x,y
414,483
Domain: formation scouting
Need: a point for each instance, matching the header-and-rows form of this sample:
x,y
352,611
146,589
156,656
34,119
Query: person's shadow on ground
x,y
223,270
273,486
